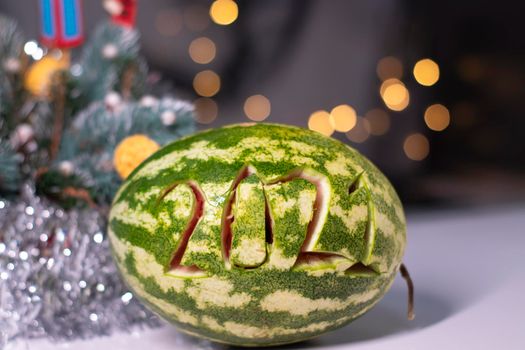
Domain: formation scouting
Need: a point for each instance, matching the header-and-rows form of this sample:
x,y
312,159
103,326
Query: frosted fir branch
x,y
105,58
12,66
86,153
10,175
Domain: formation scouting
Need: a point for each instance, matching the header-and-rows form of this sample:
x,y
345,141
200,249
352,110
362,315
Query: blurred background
x,y
431,91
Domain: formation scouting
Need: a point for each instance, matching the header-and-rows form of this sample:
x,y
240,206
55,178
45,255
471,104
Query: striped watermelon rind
x,y
260,294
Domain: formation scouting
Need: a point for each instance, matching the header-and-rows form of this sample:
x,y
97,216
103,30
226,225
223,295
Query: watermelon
x,y
257,235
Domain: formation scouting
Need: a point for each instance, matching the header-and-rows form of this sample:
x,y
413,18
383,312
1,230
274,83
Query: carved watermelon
x,y
258,235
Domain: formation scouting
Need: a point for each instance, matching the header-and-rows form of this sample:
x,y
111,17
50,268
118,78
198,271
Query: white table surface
x,y
468,267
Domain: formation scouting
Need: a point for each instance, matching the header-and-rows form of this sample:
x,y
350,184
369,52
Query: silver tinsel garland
x,y
57,276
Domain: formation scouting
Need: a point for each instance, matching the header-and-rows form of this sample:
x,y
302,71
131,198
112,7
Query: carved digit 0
x,y
320,211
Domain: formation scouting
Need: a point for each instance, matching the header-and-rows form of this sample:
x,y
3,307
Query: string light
x,y
361,132
343,118
426,72
207,83
379,121
394,94
320,121
416,146
206,110
224,12
257,107
437,117
389,67
202,50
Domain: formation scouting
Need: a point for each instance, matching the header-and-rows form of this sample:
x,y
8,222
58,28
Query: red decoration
x,y
61,23
123,12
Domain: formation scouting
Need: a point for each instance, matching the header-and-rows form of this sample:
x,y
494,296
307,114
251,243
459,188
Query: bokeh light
x,y
32,49
320,121
202,50
437,117
361,132
224,12
206,110
416,146
343,118
168,22
394,94
207,83
471,69
196,18
464,114
257,107
426,72
389,67
379,121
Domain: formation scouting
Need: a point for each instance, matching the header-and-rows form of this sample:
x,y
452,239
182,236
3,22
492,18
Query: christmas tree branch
x,y
128,77
80,193
60,106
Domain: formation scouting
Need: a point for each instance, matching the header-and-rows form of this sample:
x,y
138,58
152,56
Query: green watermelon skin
x,y
262,295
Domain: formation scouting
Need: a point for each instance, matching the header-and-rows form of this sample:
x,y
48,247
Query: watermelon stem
x,y
410,285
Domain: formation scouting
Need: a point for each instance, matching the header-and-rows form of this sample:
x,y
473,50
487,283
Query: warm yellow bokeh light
x,y
207,83
379,121
168,22
361,132
224,12
320,121
464,114
426,72
389,67
202,50
343,118
437,117
196,17
471,68
401,106
394,94
257,107
388,83
416,146
206,110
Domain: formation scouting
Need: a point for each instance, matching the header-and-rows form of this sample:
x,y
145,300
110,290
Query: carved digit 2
x,y
175,267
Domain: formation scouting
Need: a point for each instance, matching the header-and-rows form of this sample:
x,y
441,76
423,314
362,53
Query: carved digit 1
x,y
175,268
